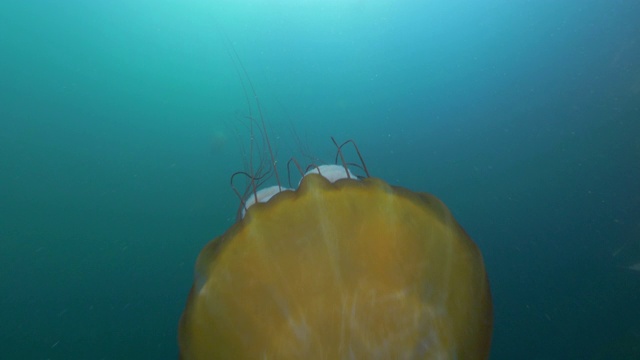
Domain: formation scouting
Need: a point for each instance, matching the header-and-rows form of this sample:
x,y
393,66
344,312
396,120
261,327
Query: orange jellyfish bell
x,y
352,269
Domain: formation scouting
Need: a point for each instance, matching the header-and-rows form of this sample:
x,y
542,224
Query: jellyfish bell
x,y
340,268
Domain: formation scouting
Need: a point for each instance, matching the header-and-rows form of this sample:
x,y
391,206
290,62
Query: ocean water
x,y
121,123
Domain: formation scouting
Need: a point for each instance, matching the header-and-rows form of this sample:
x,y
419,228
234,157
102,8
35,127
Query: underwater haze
x,y
121,123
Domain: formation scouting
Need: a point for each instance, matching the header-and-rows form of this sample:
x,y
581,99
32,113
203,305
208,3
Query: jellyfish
x,y
338,267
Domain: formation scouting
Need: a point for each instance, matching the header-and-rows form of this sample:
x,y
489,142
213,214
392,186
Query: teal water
x,y
121,123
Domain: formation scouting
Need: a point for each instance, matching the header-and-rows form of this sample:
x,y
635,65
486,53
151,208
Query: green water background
x,y
121,123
